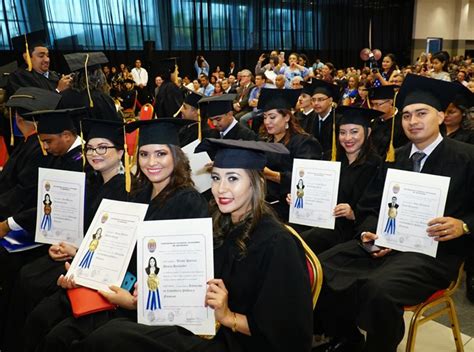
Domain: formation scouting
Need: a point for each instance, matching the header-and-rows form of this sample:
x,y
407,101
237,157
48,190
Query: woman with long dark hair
x,y
261,295
456,118
389,68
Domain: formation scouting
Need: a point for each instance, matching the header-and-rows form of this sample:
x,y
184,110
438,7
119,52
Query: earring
x,y
121,169
287,126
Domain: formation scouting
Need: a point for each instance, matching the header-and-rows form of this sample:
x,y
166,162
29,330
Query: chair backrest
x,y
146,112
315,271
455,283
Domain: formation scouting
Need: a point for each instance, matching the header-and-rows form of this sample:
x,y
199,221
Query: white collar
x,y
323,118
307,113
428,150
231,126
76,143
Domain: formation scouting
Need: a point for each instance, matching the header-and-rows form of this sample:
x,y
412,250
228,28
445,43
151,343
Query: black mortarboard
x,y
383,92
464,98
158,131
422,90
77,61
111,130
57,121
28,99
217,105
37,38
322,87
5,73
192,98
356,115
238,154
167,66
278,98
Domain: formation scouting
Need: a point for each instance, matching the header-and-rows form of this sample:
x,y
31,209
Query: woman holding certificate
x,y
164,182
281,126
359,164
261,294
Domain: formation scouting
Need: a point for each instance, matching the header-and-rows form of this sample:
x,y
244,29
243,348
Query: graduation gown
x,y
372,292
189,133
269,285
462,135
324,134
353,181
25,78
168,100
19,177
381,132
55,312
300,146
240,132
306,121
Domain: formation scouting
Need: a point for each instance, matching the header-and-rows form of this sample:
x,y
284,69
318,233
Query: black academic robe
x,y
301,147
24,78
189,133
354,180
306,121
324,133
127,98
269,285
462,135
372,292
55,312
168,100
240,132
19,177
381,132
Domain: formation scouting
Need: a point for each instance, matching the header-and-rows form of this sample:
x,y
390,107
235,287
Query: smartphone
x,y
128,281
369,247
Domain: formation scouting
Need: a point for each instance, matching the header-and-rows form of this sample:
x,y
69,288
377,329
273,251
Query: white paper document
x,y
105,252
60,206
199,173
410,200
175,262
314,189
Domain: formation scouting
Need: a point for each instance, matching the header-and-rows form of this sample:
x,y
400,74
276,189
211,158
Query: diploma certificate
x,y
175,262
314,189
104,254
199,173
410,200
60,206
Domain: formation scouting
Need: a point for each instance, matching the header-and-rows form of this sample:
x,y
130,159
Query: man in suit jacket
x,y
219,110
369,291
241,102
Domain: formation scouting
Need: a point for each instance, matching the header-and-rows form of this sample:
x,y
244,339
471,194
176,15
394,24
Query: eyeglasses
x,y
376,105
319,100
100,150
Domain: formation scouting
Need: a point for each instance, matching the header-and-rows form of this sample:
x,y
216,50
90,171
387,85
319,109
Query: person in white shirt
x,y
140,75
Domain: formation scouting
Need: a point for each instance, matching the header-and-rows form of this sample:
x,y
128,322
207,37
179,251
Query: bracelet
x,y
234,325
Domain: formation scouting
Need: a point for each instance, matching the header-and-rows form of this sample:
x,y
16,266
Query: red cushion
x,y
310,272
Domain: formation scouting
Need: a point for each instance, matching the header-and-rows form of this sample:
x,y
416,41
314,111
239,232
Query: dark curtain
x,y
221,30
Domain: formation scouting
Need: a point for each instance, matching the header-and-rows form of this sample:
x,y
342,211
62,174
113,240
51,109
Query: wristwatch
x,y
465,229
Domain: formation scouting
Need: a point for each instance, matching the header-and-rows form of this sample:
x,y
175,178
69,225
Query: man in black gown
x,y
370,291
219,110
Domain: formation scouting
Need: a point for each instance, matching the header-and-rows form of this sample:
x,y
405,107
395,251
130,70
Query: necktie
x,y
320,125
416,158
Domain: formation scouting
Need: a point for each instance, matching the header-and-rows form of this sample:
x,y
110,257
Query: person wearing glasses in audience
x,y
258,266
324,97
105,179
382,99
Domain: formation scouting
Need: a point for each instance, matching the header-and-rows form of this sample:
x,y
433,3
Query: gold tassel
x,y
28,57
176,73
12,137
39,139
128,177
83,151
179,110
391,149
199,125
91,103
334,147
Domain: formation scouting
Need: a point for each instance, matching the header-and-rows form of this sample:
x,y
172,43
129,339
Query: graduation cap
x,y
5,73
278,98
57,121
318,86
79,61
27,42
158,131
464,99
111,130
29,99
356,115
383,92
239,154
192,98
423,90
217,105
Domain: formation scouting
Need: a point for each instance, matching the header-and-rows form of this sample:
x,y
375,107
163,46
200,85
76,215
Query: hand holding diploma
x,y
120,297
344,210
445,228
67,282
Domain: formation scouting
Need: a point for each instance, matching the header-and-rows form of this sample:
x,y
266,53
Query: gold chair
x,y
314,267
444,303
